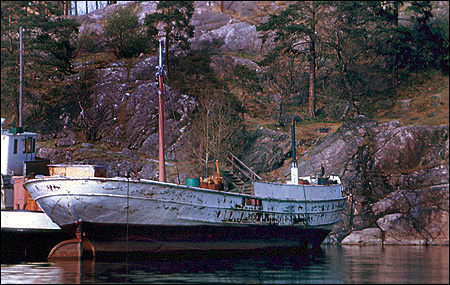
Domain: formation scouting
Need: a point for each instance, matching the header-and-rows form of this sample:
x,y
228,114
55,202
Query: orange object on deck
x,y
23,199
303,182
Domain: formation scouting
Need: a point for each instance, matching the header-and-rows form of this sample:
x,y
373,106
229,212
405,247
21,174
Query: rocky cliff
x,y
397,178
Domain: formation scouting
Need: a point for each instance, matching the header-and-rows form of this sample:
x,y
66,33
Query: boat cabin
x,y
18,161
17,146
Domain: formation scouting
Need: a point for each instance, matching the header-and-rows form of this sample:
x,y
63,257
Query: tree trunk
x,y
68,8
395,71
280,114
348,86
351,95
312,67
312,83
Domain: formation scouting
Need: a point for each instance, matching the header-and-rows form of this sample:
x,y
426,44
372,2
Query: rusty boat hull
x,y
123,215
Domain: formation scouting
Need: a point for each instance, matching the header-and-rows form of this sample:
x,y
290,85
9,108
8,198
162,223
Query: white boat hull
x,y
32,221
159,216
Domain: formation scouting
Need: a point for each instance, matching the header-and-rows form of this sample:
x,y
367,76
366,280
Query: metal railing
x,y
242,168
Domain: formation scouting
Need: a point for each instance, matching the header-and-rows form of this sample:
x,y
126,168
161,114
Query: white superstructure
x,y
17,147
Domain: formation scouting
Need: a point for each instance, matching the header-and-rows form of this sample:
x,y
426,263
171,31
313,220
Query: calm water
x,y
335,264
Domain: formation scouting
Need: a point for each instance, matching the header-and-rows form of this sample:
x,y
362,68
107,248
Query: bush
x,y
123,33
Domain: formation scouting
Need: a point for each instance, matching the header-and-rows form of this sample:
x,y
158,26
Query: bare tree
x,y
292,29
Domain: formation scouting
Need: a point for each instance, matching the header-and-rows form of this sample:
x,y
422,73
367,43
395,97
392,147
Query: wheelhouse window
x,y
30,145
15,146
24,144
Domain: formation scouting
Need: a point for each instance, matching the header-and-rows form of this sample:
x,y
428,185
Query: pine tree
x,y
350,35
292,29
177,29
123,33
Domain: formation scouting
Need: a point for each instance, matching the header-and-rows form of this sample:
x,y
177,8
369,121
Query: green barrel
x,y
322,180
193,182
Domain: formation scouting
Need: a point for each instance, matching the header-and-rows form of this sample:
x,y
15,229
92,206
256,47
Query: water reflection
x,y
249,269
335,264
394,264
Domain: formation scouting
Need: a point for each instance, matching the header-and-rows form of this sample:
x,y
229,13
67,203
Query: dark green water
x,y
335,264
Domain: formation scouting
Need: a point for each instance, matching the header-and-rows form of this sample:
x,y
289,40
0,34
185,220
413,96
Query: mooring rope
x,y
171,103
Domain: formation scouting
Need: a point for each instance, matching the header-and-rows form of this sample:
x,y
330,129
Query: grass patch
x,y
99,58
421,100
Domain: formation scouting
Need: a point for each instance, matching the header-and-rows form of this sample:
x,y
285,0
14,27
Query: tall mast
x,y
21,78
160,73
